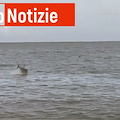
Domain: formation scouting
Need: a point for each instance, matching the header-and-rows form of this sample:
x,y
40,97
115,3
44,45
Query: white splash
x,y
19,71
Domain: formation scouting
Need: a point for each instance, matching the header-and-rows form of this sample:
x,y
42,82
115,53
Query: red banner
x,y
38,14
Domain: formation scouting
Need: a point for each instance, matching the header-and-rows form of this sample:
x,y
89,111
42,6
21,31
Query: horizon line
x,y
62,42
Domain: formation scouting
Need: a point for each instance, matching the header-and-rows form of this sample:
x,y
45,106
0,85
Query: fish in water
x,y
23,71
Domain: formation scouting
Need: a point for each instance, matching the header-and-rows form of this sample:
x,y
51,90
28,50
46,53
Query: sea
x,y
65,81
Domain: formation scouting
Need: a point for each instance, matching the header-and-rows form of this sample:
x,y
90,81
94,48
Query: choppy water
x,y
65,81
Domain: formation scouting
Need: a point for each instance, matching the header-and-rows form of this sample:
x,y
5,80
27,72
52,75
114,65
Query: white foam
x,y
17,72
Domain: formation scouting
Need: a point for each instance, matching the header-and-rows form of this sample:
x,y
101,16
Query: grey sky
x,y
96,20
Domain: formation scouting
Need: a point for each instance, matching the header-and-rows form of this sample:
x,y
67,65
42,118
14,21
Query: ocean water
x,y
65,81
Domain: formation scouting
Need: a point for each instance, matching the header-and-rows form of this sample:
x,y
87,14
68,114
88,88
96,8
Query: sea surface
x,y
65,81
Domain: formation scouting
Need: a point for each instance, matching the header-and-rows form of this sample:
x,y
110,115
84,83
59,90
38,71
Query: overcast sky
x,y
96,20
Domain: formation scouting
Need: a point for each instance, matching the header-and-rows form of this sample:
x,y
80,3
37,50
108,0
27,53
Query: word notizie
x,y
37,14
38,17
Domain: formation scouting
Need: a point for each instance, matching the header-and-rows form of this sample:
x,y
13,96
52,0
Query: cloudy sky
x,y
96,20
